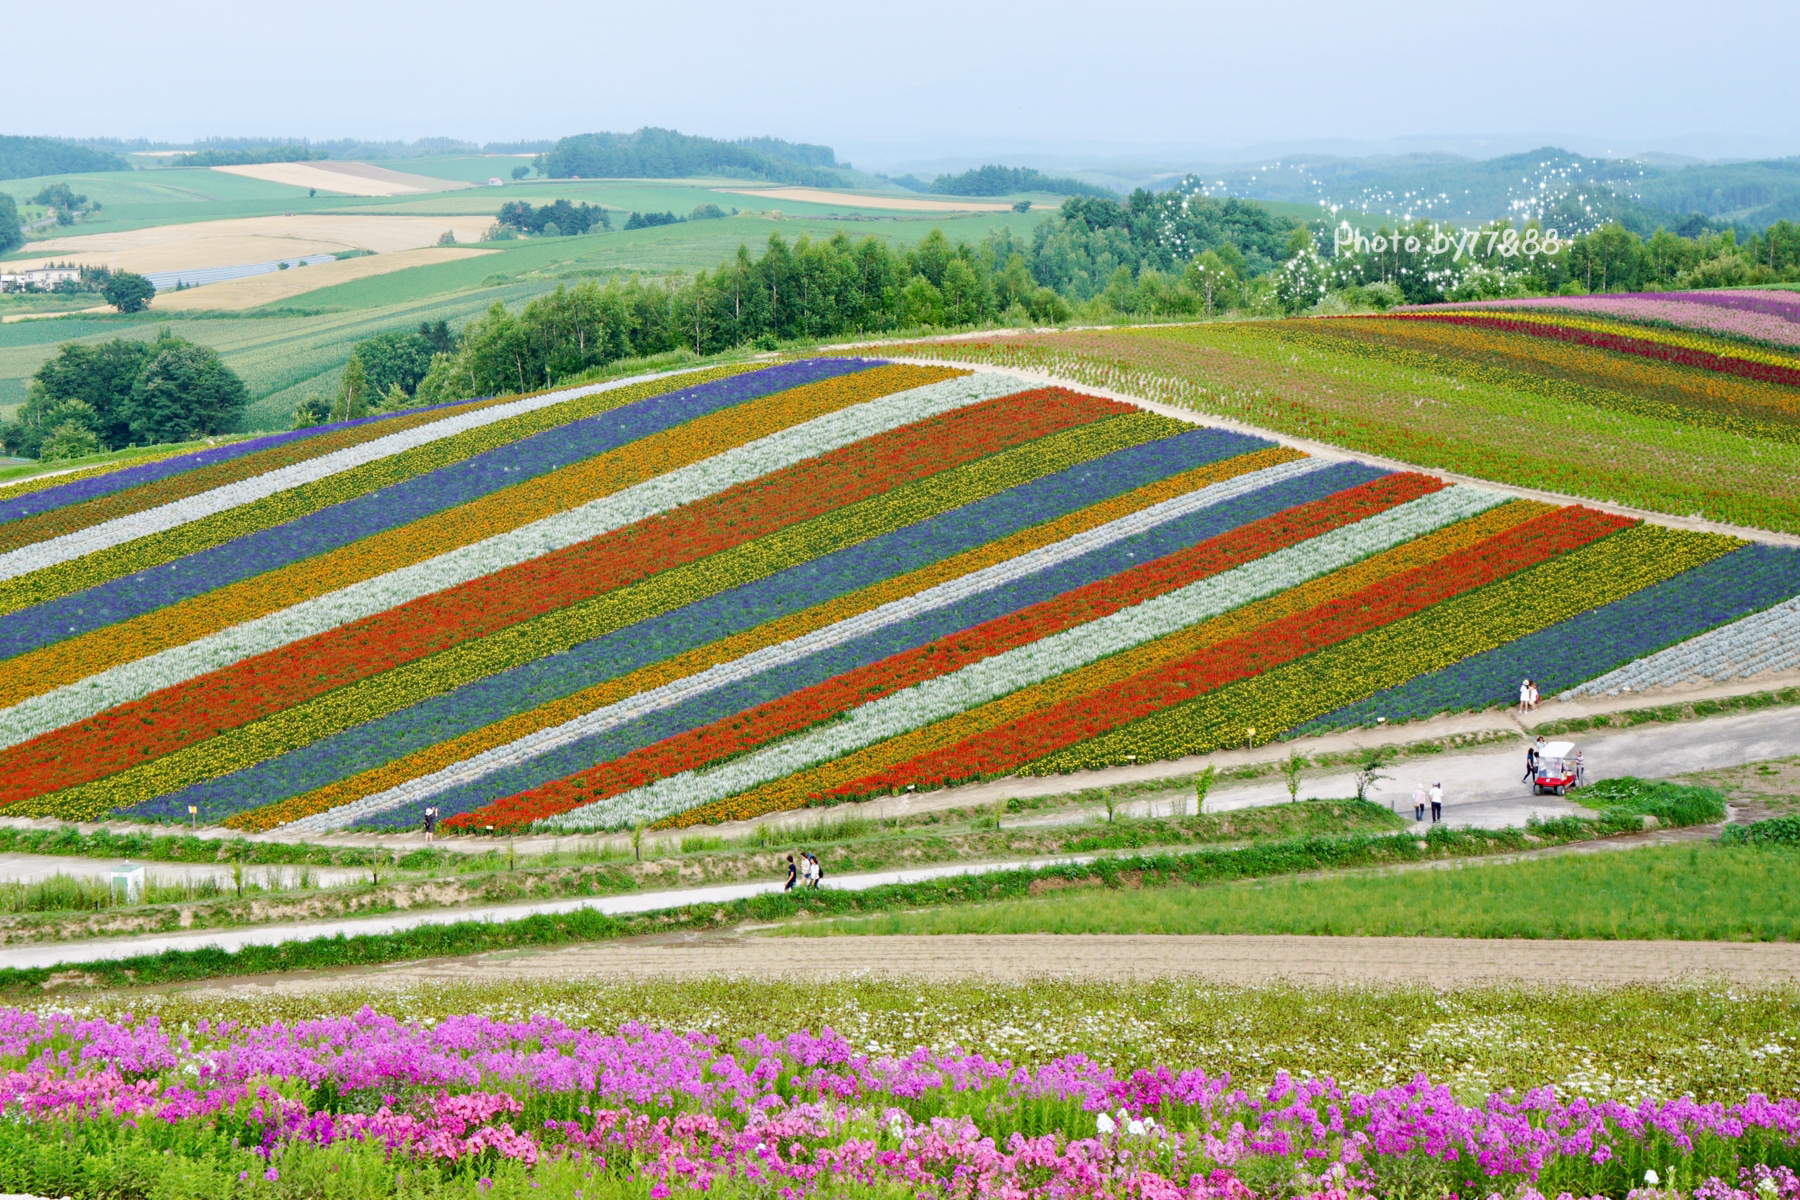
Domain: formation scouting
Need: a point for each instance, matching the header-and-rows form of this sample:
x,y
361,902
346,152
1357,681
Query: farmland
x,y
293,342
753,589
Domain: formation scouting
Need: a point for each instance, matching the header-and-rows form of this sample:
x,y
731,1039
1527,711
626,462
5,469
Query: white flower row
x,y
129,681
1764,641
994,677
767,658
246,491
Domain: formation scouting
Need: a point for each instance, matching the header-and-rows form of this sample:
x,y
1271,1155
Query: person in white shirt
x,y
1419,803
1524,696
1437,803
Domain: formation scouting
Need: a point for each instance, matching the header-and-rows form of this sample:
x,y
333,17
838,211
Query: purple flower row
x,y
391,507
63,495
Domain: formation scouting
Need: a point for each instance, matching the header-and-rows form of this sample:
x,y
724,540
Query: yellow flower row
x,y
382,694
39,586
797,789
79,657
1477,621
773,633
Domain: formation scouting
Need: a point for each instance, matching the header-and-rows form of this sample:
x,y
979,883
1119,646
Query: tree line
x,y
652,153
29,157
211,156
1000,181
1413,264
559,217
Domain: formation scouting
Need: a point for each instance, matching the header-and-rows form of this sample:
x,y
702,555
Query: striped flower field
x,y
711,595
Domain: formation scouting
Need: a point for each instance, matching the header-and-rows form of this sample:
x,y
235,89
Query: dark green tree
x,y
314,410
12,231
128,291
184,391
438,336
396,360
101,377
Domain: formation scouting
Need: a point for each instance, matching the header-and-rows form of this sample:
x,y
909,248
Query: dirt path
x,y
1439,962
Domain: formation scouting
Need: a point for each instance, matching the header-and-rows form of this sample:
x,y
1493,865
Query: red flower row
x,y
165,721
1007,747
1642,347
757,726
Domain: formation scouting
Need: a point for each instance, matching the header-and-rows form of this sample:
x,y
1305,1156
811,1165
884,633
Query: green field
x,y
1698,891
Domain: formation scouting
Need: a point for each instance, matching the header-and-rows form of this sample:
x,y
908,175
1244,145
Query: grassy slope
x,y
1698,891
1272,375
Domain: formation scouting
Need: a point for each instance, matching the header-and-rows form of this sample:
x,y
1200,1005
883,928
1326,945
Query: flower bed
x,y
538,1107
1592,644
636,632
1686,351
406,523
1772,317
798,585
155,550
508,578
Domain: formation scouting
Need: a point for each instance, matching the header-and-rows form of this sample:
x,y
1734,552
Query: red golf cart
x,y
1557,770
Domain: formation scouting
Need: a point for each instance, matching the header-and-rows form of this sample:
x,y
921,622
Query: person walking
x,y
1419,802
1531,759
793,874
430,822
1437,803
818,871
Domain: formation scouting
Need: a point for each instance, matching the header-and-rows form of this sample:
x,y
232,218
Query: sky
x,y
890,85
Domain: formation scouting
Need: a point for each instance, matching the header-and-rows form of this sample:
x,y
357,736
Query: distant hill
x,y
1002,181
665,154
1547,183
1754,194
26,157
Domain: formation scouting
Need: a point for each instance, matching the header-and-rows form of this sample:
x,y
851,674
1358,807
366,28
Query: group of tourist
x,y
807,873
1434,796
1528,697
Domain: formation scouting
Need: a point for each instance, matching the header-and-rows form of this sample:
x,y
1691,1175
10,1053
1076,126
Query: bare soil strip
x,y
234,241
346,178
1436,962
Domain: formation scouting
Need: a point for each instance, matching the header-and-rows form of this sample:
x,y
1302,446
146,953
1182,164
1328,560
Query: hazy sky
x,y
925,79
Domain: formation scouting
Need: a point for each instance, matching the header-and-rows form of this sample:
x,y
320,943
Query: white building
x,y
38,277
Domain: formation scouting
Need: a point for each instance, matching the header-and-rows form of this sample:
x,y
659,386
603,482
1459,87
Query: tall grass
x,y
1700,891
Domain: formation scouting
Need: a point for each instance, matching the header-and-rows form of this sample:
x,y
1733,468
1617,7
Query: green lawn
x,y
1699,891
